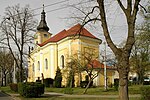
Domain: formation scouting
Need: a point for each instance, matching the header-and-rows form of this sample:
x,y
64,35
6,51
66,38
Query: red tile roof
x,y
75,30
97,64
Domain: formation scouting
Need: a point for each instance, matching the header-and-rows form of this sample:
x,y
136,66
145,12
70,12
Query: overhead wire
x,y
56,3
60,8
44,6
50,5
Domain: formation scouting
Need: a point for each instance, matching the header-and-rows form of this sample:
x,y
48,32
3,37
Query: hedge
x,y
30,89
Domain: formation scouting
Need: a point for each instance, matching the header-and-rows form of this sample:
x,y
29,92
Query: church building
x,y
51,52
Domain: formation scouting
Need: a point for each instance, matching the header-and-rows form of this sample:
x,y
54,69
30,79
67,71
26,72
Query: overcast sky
x,y
56,15
54,18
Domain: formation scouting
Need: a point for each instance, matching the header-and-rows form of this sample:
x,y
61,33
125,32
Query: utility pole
x,y
105,69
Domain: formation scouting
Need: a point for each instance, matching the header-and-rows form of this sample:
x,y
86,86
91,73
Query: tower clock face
x,y
35,36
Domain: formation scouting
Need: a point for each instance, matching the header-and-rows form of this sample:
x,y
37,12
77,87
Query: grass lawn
x,y
90,91
6,89
135,89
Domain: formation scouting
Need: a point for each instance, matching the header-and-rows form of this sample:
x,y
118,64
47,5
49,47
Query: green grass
x,y
6,89
135,89
91,91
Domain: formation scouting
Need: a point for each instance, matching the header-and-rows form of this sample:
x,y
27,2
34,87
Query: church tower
x,y
42,33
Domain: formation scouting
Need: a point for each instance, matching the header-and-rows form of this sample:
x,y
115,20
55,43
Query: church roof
x,y
73,31
96,64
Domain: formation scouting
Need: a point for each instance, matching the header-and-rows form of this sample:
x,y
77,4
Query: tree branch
x,y
87,15
105,27
121,5
90,20
129,6
135,9
143,8
131,25
81,11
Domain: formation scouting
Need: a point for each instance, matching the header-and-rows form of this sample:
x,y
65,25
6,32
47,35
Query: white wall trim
x,y
52,61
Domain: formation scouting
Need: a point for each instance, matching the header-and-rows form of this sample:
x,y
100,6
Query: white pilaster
x,y
70,47
41,63
52,57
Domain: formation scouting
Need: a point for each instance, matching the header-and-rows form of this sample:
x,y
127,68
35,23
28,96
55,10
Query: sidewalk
x,y
5,96
15,96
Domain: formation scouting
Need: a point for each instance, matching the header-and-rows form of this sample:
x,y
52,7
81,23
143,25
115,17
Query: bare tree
x,y
17,28
90,67
140,54
6,65
85,62
129,9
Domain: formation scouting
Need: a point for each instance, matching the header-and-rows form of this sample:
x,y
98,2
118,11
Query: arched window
x,y
62,61
38,66
33,67
46,64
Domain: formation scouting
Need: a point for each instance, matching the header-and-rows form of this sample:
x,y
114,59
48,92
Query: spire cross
x,y
43,7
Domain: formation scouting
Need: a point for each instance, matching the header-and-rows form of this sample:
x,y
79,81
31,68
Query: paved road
x,y
4,96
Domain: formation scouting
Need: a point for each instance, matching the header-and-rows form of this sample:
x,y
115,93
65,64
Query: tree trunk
x,y
80,78
123,85
5,79
21,67
123,69
2,80
87,86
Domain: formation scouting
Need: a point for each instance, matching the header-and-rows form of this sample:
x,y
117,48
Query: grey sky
x,y
53,18
56,22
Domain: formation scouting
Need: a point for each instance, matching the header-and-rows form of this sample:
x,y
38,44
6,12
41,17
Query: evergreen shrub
x,y
116,84
30,89
58,78
70,81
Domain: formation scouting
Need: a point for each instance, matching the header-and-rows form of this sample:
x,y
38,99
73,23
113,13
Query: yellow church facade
x,y
51,52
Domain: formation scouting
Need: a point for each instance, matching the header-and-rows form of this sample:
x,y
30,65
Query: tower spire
x,y
43,25
43,7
